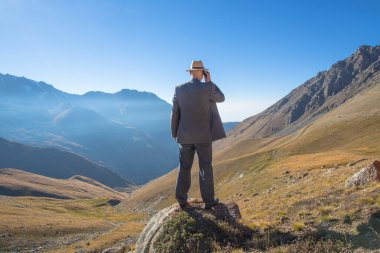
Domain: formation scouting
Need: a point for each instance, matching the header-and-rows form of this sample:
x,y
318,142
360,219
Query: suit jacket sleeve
x,y
175,115
216,94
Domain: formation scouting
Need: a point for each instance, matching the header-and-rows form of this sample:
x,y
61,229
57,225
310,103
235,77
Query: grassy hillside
x,y
15,182
296,182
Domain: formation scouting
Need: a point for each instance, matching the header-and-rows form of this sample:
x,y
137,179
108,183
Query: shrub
x,y
194,232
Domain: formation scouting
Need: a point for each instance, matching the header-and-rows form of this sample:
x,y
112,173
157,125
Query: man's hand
x,y
207,77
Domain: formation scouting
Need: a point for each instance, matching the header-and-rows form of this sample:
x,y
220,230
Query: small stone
x,y
120,249
113,202
324,224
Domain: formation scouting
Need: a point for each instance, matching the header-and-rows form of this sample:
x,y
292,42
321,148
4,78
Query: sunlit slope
x,y
253,170
317,96
14,182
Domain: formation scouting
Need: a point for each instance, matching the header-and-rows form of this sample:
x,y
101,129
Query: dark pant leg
x,y
206,179
186,158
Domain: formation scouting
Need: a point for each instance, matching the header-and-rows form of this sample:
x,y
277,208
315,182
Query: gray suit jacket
x,y
195,117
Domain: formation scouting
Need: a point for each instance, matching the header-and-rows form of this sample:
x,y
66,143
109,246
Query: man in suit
x,y
195,123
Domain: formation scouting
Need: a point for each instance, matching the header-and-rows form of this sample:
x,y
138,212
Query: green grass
x,y
367,200
298,226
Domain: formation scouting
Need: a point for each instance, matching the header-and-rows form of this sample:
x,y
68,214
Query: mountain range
x,y
127,131
55,163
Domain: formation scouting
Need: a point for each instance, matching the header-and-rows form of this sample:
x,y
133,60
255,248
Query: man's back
x,y
195,123
192,113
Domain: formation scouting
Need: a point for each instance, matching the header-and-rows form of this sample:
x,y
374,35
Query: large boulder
x,y
193,229
365,175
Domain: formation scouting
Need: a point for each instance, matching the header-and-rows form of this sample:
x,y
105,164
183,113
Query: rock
x,y
193,229
113,202
365,175
233,210
331,169
120,249
324,224
269,190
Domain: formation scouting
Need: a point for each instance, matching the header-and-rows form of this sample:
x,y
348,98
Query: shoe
x,y
184,205
209,206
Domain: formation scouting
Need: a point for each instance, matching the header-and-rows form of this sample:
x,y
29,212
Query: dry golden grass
x,y
122,232
28,222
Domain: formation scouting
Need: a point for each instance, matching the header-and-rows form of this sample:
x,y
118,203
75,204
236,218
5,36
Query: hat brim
x,y
195,69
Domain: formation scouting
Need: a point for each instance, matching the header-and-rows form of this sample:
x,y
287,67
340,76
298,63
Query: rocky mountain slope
x,y
52,162
314,98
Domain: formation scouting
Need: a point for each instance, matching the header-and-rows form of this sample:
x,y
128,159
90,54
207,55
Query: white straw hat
x,y
196,65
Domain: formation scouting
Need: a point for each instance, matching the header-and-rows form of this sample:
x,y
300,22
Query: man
x,y
195,123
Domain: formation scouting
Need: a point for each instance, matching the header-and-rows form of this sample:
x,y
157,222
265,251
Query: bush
x,y
193,232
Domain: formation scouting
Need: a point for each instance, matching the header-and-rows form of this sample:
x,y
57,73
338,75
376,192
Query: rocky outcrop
x,y
365,175
193,229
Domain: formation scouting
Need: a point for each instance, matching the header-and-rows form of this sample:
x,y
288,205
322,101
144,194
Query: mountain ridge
x,y
315,97
15,182
38,114
55,163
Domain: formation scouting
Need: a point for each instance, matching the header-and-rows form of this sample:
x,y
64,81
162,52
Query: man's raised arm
x,y
216,94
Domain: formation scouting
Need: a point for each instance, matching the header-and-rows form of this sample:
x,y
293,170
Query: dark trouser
x,y
206,180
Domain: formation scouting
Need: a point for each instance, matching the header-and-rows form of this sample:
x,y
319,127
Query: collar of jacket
x,y
193,80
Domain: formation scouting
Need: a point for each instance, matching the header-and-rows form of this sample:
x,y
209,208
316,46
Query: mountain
x,y
286,167
127,131
14,182
314,98
229,125
54,163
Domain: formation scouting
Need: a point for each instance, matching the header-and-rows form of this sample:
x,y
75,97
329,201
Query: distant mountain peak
x,y
135,93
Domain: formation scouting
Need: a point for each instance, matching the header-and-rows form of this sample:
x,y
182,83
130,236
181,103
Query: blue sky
x,y
257,51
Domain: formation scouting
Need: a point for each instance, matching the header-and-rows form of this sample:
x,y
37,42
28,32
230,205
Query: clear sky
x,y
257,51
